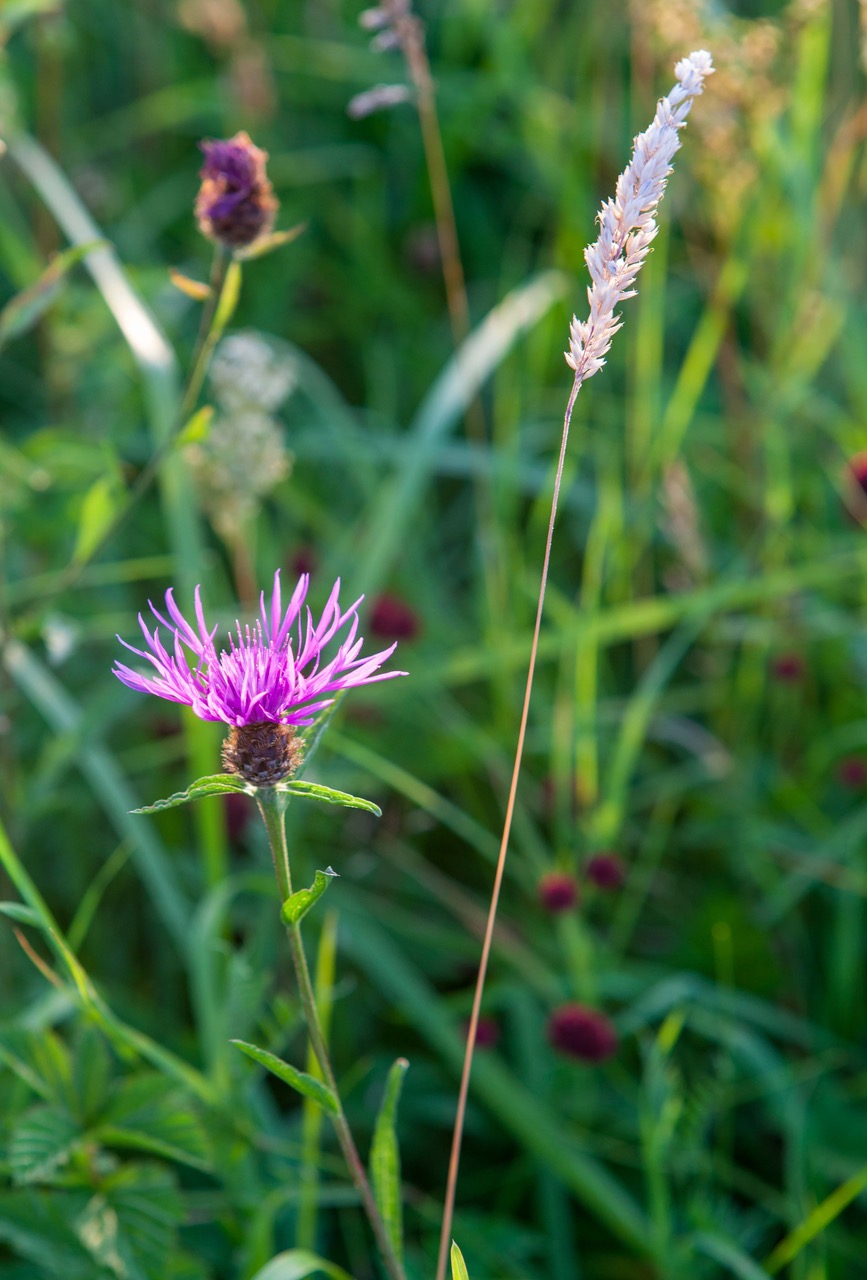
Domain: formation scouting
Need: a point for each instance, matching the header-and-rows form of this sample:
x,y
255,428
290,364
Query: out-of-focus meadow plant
x,y
670,1029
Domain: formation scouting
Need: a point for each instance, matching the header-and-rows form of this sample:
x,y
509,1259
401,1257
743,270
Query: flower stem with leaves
x,y
272,806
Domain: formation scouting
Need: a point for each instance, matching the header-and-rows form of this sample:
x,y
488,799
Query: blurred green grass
x,y
705,550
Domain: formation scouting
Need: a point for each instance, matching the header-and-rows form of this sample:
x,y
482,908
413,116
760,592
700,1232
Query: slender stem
x,y
457,1136
272,806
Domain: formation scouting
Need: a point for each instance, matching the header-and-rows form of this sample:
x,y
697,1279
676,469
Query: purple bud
x,y
789,668
852,772
392,619
487,1032
583,1033
558,892
606,870
236,204
855,487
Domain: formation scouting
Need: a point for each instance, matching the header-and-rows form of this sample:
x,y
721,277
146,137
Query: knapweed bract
x,y
270,678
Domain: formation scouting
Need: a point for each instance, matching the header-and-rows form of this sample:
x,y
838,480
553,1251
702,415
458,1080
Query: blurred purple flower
x,y
236,204
852,772
606,870
582,1033
789,668
558,892
271,674
393,619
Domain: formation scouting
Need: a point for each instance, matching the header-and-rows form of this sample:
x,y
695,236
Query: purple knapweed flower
x,y
236,204
269,680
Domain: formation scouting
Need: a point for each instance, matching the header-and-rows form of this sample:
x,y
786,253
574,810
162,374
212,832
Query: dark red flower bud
x,y
855,487
582,1033
393,619
236,204
487,1032
788,667
852,772
558,891
606,870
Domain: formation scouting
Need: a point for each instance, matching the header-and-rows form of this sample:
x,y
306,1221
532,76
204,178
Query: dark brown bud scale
x,y
263,754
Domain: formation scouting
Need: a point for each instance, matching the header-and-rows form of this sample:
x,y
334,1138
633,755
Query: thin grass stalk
x,y
627,229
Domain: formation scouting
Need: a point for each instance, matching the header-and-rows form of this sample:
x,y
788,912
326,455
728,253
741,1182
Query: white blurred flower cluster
x,y
244,455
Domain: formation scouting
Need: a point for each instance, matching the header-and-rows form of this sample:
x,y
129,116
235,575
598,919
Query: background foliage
x,y
699,707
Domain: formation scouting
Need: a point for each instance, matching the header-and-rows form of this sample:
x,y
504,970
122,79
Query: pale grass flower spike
x,y
627,227
627,224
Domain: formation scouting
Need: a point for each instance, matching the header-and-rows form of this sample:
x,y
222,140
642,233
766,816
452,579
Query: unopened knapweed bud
x,y
236,204
606,870
558,892
263,754
583,1033
487,1032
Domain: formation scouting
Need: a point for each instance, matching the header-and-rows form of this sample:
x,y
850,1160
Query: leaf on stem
x,y
385,1158
297,906
267,244
218,784
198,426
297,1264
28,307
229,296
313,791
195,289
298,1080
459,1267
21,912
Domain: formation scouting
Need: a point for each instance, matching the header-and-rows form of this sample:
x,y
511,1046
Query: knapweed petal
x,y
270,674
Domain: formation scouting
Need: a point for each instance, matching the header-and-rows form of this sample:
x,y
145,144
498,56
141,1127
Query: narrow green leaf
x,y
217,785
267,244
313,791
297,1264
198,426
229,296
296,907
27,308
728,1255
298,1080
385,1158
459,1267
23,914
101,503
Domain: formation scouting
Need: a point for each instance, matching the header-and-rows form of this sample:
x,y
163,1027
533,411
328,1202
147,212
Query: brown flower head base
x,y
236,204
263,754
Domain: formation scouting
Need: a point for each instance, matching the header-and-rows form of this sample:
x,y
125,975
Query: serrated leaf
x,y
313,791
296,907
195,289
218,784
21,912
198,426
143,1115
41,1060
459,1267
298,1080
267,244
141,1205
91,1073
385,1158
38,1227
101,503
27,308
41,1143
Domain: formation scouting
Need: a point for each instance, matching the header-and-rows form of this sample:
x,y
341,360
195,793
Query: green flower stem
x,y
272,806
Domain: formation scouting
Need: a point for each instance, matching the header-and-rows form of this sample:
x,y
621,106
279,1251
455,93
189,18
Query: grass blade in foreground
x,y
627,229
